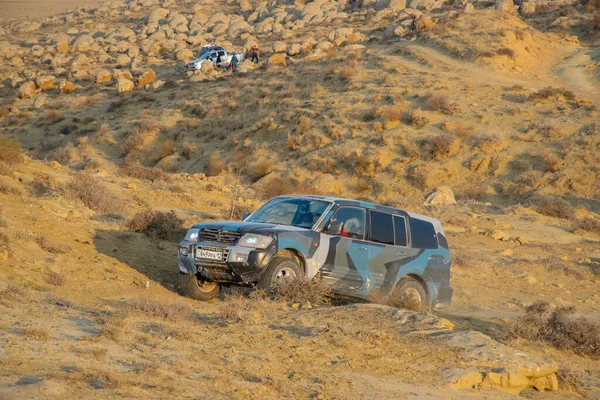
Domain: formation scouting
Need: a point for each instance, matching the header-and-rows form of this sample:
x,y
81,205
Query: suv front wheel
x,y
198,289
410,294
279,270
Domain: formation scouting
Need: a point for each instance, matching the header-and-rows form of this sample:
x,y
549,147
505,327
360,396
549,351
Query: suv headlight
x,y
255,241
192,234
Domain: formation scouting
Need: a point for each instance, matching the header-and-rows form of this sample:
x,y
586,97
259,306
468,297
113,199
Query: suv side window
x,y
400,231
382,228
422,234
354,221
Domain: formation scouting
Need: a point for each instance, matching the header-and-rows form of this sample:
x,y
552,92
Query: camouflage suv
x,y
354,246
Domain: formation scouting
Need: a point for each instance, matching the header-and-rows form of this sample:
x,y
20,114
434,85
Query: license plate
x,y
211,255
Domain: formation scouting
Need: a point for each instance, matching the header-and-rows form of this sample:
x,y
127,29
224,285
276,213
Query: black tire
x,y
410,294
197,289
279,268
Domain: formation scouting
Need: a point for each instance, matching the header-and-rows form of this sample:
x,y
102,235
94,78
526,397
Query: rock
x,y
123,60
462,379
510,381
528,8
124,85
147,78
442,195
28,90
294,49
505,5
399,30
83,42
277,59
326,183
45,82
424,22
184,55
469,8
280,47
103,76
397,5
40,101
66,86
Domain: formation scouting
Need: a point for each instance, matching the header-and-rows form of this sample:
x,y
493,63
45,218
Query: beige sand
x,y
30,9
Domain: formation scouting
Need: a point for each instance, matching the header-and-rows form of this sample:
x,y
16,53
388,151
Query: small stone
x,y
295,306
307,306
28,90
442,195
124,85
147,78
66,86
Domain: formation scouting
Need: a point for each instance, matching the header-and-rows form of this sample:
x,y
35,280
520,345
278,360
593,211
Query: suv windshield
x,y
285,211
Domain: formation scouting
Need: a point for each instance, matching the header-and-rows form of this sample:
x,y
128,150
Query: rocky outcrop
x,y
124,85
442,195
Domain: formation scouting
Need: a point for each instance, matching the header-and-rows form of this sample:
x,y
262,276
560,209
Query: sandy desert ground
x,y
381,101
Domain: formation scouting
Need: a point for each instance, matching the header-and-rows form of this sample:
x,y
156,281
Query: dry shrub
x,y
406,302
53,117
279,186
549,92
304,124
370,115
7,188
570,380
48,246
174,312
165,149
42,185
236,307
554,207
148,124
190,150
4,241
157,225
472,192
12,292
554,264
558,328
416,118
439,102
55,278
392,113
489,142
5,169
215,165
442,146
146,173
93,193
103,135
550,161
302,290
10,150
260,169
135,141
587,224
293,141
35,333
346,74
65,155
465,259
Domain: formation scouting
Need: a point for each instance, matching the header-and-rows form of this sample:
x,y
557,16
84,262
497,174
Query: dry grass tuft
x,y
302,290
346,74
392,113
10,150
587,224
215,165
550,161
190,150
279,186
558,328
165,149
489,142
442,146
53,117
570,380
93,193
5,169
7,188
237,307
56,278
135,141
35,333
554,264
549,92
174,312
157,225
554,207
146,173
439,102
260,168
48,246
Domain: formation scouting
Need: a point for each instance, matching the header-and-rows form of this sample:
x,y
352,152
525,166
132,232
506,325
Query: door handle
x,y
361,248
402,253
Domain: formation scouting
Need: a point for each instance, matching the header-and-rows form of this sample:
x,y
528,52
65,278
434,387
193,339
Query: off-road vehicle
x,y
354,246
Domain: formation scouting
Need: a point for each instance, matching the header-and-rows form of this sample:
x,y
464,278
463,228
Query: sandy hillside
x,y
110,149
31,9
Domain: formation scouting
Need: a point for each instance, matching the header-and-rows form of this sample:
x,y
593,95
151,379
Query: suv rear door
x,y
389,249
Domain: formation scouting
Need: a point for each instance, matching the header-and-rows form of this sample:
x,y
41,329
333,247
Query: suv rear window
x,y
382,228
422,234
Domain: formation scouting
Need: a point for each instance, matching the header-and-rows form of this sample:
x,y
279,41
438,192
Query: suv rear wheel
x,y
279,270
410,294
198,289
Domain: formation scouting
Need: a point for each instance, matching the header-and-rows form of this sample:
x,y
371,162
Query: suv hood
x,y
249,227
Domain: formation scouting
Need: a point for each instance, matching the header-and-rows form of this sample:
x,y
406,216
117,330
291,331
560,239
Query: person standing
x,y
234,63
254,51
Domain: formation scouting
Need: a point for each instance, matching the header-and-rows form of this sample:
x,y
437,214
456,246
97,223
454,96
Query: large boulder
x,y
277,59
147,78
103,76
442,195
45,82
83,42
505,5
66,86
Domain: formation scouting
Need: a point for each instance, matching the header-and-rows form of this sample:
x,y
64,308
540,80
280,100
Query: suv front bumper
x,y
239,264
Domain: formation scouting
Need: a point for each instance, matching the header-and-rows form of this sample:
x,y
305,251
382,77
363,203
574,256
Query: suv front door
x,y
347,263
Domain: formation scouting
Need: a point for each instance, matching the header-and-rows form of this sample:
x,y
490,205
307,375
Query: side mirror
x,y
335,228
245,215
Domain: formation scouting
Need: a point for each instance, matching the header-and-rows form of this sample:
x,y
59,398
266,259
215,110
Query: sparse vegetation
x,y
260,168
32,333
439,102
92,192
587,224
549,92
442,146
56,278
558,328
8,188
151,174
554,207
214,166
302,290
10,150
157,225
